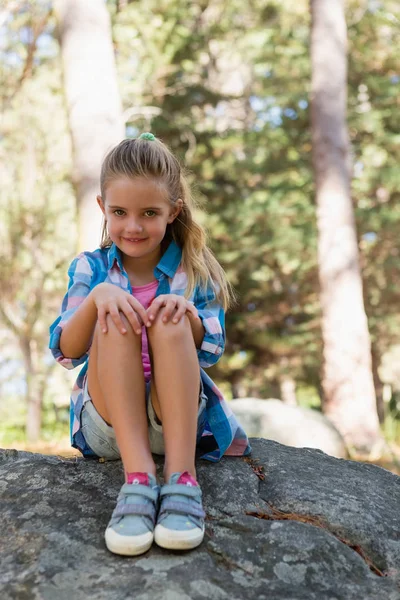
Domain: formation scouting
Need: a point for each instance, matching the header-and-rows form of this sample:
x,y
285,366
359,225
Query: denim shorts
x,y
101,437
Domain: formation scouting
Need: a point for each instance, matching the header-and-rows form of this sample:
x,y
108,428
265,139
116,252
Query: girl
x,y
144,313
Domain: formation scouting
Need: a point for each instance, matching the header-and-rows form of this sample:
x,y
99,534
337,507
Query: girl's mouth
x,y
134,240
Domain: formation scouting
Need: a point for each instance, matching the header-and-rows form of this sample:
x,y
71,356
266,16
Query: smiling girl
x,y
145,313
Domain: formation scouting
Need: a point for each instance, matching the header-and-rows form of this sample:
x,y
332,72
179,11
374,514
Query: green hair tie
x,y
147,136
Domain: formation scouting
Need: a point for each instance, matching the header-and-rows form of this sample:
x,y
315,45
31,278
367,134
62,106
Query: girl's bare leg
x,y
117,388
175,391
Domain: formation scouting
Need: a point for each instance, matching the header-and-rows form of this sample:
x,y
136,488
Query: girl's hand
x,y
174,305
109,298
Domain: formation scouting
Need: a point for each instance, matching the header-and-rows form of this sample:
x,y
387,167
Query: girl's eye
x,y
149,213
118,212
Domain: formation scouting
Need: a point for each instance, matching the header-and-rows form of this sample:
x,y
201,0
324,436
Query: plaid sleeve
x,y
80,277
212,317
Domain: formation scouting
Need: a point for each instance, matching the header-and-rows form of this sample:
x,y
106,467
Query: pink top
x,y
145,294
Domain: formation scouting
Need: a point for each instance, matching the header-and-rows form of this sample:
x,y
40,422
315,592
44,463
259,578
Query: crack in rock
x,y
278,515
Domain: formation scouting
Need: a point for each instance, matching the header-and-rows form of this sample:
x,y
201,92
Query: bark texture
x,y
93,100
349,395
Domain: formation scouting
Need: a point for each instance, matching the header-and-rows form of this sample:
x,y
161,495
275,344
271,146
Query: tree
x,y
94,105
35,207
349,395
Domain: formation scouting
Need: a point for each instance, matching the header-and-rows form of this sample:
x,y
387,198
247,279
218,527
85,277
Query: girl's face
x,y
137,212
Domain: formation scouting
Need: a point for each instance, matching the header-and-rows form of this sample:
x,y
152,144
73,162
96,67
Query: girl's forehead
x,y
135,191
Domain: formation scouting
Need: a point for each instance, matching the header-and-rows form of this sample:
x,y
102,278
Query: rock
x,y
284,524
290,425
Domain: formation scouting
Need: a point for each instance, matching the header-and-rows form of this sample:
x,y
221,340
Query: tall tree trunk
x,y
33,398
349,395
94,105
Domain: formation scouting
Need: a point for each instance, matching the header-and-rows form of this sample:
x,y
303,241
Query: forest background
x,y
227,86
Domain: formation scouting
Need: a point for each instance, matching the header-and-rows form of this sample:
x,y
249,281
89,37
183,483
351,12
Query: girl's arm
x,y
212,319
81,274
77,332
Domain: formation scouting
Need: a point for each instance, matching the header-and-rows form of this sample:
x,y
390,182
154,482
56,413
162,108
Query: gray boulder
x,y
290,425
285,524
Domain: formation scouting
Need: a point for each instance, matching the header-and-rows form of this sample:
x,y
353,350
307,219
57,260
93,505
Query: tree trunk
x,y
238,386
286,382
288,390
349,396
33,398
94,105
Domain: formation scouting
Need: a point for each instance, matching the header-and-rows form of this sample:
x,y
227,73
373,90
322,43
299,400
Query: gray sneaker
x,y
131,528
180,522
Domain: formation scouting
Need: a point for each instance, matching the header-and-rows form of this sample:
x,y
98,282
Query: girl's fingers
x,y
101,317
183,309
180,311
169,309
155,306
116,317
140,312
171,303
192,309
132,318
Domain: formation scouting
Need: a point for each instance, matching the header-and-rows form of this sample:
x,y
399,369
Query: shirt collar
x,y
168,264
114,255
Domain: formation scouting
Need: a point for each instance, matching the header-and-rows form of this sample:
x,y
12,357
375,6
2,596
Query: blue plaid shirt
x,y
223,434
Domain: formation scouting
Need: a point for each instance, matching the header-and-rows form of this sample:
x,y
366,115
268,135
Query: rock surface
x,y
291,425
286,523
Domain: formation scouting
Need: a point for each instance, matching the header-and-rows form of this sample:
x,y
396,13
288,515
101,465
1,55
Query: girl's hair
x,y
152,159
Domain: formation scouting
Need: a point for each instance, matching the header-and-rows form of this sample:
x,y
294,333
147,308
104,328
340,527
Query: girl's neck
x,y
141,270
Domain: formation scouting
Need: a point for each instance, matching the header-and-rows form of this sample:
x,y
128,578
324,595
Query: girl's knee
x,y
114,331
168,330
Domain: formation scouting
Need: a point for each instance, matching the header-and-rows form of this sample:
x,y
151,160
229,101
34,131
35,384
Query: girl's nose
x,y
134,227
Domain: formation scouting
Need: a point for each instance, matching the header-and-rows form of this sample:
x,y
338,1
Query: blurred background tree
x,y
93,103
37,208
349,394
227,86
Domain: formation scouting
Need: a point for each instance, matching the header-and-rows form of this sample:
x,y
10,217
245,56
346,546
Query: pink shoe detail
x,y
137,478
187,479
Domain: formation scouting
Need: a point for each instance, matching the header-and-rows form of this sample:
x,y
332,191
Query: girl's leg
x,y
175,391
117,388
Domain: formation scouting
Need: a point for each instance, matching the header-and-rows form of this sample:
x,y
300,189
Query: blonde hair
x,y
152,159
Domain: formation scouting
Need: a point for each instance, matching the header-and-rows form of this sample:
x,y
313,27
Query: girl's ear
x,y
101,204
176,210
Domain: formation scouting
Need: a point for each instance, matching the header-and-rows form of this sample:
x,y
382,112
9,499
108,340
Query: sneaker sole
x,y
177,540
128,545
